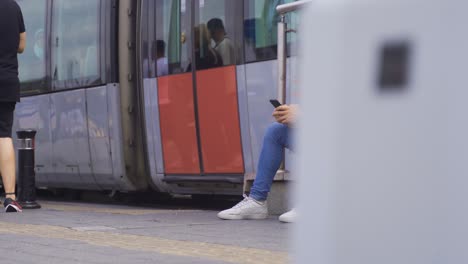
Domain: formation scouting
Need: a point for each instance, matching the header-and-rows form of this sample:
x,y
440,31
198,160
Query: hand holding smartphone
x,y
275,103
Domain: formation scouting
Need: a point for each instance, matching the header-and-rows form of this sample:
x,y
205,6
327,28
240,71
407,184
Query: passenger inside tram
x,y
276,138
223,45
148,67
205,56
162,66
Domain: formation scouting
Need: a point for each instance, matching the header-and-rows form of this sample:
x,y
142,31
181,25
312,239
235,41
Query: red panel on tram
x,y
177,117
219,120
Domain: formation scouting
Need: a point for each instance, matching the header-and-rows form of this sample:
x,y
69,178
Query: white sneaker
x,y
248,208
289,217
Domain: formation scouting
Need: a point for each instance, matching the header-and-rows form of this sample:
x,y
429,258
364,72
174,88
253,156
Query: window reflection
x,y
220,19
32,72
261,28
223,44
205,56
75,43
172,44
147,65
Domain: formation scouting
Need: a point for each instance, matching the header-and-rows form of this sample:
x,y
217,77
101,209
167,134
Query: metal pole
x,y
290,7
282,30
282,26
26,173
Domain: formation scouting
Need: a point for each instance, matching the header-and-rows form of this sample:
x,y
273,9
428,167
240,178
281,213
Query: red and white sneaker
x,y
12,206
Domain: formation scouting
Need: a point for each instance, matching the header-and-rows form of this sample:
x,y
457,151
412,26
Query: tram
x,y
127,95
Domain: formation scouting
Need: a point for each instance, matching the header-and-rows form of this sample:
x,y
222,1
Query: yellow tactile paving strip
x,y
93,209
226,253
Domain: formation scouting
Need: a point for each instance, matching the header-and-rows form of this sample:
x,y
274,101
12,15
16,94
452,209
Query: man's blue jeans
x,y
275,140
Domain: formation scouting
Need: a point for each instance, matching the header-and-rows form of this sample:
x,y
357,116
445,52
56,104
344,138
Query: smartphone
x,y
275,103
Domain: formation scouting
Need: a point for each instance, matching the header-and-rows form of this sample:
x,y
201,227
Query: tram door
x,y
197,92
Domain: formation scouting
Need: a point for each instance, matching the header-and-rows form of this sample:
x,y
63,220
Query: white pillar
x,y
383,139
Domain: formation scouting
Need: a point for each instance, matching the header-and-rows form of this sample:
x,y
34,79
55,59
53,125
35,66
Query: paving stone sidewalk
x,y
72,232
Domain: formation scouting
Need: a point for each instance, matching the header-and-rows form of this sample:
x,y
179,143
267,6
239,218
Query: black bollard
x,y
26,173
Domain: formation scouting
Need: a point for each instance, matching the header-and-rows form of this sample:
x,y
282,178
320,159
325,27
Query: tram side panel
x,y
70,145
159,93
79,138
153,135
219,121
62,147
261,85
120,178
178,124
191,112
73,99
245,126
222,138
256,83
261,73
99,136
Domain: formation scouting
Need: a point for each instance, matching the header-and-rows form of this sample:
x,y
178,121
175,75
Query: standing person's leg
x,y
275,140
7,156
7,166
254,207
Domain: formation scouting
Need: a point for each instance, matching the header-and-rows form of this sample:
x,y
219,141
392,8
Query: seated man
x,y
275,140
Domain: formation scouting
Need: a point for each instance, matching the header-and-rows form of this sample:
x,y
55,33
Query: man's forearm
x,y
22,42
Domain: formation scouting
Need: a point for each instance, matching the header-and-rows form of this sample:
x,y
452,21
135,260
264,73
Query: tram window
x,y
148,31
171,46
261,29
75,43
32,72
216,33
